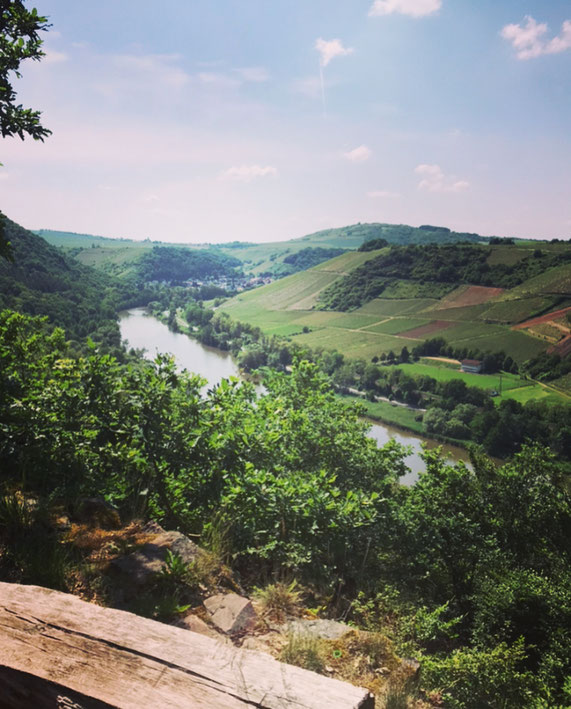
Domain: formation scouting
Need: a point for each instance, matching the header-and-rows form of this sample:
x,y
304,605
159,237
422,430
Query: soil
x,y
431,328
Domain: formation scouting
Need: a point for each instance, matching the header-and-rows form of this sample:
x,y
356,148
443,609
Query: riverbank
x,y
404,419
395,414
145,331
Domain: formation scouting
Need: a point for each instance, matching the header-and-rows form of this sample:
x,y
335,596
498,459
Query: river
x,y
143,331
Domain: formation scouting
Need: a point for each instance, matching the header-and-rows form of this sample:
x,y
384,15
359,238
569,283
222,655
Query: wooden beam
x,y
58,651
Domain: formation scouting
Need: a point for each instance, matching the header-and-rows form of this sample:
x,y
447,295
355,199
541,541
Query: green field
x,y
389,413
445,374
394,326
512,385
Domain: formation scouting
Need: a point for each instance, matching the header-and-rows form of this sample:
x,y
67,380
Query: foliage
x,y
19,40
430,265
43,281
309,257
482,678
373,244
175,264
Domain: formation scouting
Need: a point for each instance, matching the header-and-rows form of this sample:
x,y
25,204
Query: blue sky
x,y
264,120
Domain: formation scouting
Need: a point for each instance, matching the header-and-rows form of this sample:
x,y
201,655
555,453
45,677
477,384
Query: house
x,y
474,366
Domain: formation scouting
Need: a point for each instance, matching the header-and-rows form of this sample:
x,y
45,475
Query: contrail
x,y
322,90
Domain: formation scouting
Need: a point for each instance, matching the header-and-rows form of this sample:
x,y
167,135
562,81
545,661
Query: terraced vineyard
x,y
479,317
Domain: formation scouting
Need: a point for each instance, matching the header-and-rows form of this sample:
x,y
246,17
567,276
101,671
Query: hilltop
x,y
276,259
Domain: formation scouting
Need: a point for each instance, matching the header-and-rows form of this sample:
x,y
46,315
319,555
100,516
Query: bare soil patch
x,y
428,329
563,348
548,317
473,295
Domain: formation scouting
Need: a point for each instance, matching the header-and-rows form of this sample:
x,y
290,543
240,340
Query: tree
x,y
19,40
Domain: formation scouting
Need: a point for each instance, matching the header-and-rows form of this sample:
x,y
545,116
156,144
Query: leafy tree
x,y
19,40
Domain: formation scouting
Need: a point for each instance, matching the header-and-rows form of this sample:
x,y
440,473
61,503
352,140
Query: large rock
x,y
141,566
230,612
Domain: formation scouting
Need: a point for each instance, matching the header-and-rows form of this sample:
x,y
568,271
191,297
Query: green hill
x,y
275,259
412,307
42,280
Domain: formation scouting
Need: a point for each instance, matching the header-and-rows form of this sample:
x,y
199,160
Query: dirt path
x,y
444,359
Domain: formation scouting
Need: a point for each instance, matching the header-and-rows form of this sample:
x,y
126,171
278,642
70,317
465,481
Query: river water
x,y
143,331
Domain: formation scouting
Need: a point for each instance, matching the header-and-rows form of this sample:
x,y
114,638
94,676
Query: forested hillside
x,y
435,271
42,280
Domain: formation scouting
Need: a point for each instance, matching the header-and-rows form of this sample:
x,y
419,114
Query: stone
x,y
230,612
319,628
197,625
141,566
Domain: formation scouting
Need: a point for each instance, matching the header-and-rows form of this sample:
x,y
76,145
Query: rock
x,y
96,511
230,612
327,629
140,567
197,625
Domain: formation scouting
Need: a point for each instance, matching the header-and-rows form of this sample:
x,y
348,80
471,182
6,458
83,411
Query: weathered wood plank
x,y
113,658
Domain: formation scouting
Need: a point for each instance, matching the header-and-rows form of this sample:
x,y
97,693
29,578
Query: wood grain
x,y
90,656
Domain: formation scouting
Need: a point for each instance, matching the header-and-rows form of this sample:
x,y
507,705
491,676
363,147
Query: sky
x,y
264,120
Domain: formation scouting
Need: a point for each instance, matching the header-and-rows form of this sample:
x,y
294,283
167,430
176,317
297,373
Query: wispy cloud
x,y
529,41
434,180
360,154
413,8
247,173
329,49
383,194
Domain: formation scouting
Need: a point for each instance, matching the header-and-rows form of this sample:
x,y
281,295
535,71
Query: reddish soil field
x,y
541,319
429,329
473,295
563,348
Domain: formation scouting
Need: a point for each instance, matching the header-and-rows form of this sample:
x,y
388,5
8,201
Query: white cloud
x,y
383,194
247,173
434,180
414,8
360,154
255,74
529,39
329,49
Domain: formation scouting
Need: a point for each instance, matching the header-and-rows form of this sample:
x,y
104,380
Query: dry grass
x,y
100,546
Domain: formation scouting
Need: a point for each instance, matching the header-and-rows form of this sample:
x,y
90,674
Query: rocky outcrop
x,y
141,567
